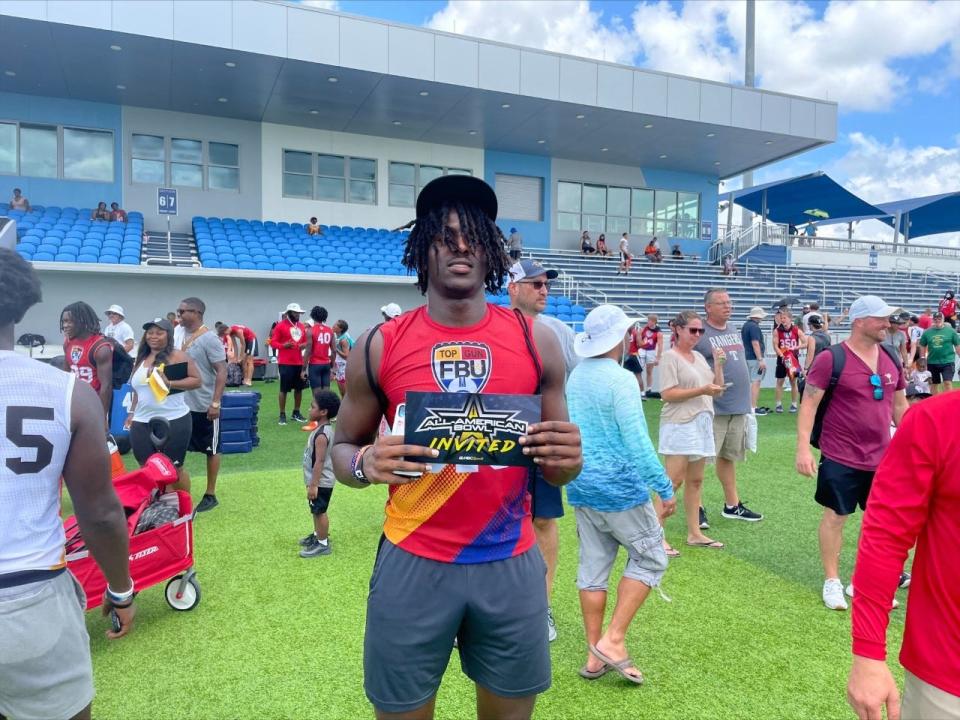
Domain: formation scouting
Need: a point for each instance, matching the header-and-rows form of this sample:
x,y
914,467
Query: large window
x,y
184,162
54,151
614,210
334,178
408,179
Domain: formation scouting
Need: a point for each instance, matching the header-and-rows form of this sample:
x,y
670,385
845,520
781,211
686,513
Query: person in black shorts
x,y
289,338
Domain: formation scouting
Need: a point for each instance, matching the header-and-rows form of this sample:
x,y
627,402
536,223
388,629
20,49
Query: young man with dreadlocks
x,y
458,559
86,352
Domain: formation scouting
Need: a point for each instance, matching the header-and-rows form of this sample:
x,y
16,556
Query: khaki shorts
x,y
602,534
45,667
730,436
923,701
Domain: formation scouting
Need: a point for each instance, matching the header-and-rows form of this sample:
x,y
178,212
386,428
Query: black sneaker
x,y
207,502
904,580
760,411
308,540
316,549
298,417
704,525
741,512
283,419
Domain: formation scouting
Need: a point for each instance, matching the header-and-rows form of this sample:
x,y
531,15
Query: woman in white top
x,y
156,348
688,387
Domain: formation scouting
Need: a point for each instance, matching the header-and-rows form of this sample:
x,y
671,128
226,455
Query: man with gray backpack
x,y
854,392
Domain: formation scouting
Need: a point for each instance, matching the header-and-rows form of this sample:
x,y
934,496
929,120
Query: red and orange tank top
x,y
459,514
78,355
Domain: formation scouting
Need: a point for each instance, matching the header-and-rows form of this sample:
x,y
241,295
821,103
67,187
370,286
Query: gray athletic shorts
x,y
45,667
416,607
603,533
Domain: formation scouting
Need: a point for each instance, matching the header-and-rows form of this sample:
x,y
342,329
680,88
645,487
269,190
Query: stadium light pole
x,y
749,80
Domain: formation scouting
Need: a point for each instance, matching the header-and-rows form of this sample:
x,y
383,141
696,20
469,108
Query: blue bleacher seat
x,y
43,256
127,260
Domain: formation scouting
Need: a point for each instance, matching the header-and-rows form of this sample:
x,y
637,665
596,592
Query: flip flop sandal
x,y
672,552
712,545
619,667
593,674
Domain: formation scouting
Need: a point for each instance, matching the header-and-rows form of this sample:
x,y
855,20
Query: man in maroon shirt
x,y
915,500
855,432
289,338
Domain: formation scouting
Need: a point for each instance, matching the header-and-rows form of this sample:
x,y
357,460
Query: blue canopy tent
x,y
799,200
914,217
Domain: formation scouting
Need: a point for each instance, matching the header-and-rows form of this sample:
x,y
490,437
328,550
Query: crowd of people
x,y
115,213
494,527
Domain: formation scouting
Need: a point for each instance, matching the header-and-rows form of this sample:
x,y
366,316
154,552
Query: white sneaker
x,y
833,594
849,591
551,626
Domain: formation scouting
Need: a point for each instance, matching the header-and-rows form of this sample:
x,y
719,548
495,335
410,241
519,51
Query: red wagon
x,y
162,553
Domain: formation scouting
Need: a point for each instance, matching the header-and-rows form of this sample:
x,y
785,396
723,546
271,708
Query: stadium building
x,y
262,114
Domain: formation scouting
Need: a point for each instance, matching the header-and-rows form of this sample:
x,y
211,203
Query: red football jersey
x,y
320,338
788,340
78,353
248,335
459,514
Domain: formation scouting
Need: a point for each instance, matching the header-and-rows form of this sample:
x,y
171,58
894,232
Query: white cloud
x,y
847,55
564,26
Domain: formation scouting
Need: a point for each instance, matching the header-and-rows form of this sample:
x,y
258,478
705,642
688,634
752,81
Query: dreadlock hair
x,y
479,231
21,287
143,350
318,314
84,317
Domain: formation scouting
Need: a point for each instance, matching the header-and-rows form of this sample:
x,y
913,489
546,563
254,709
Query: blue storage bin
x,y
234,448
237,413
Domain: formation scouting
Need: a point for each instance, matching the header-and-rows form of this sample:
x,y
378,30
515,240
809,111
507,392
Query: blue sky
x,y
893,67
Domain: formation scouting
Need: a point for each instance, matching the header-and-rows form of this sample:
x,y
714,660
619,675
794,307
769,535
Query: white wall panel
x,y
35,10
411,53
578,81
747,108
683,98
145,17
826,121
313,36
499,68
363,45
260,27
776,114
456,60
614,87
204,22
276,138
715,104
803,118
540,75
649,93
87,13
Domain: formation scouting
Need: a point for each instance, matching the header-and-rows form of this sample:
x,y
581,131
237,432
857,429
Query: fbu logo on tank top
x,y
76,354
461,366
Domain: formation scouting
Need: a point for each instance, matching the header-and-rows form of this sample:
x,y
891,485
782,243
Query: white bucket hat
x,y
116,309
603,328
294,307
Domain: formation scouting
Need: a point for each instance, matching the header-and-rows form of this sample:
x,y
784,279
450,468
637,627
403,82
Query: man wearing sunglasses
x,y
855,432
528,285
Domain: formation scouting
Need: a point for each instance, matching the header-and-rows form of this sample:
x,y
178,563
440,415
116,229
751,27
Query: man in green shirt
x,y
939,343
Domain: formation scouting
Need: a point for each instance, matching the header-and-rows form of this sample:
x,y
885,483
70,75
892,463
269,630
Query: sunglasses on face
x,y
696,331
536,284
185,310
877,387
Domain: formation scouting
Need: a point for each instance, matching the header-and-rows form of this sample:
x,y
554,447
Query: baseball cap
x,y
815,321
391,310
938,315
757,312
871,306
116,309
161,323
603,328
529,269
294,307
464,189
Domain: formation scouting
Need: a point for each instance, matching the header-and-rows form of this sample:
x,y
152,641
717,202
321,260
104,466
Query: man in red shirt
x,y
249,348
320,350
632,361
855,432
948,306
86,353
915,500
926,319
787,341
289,338
458,560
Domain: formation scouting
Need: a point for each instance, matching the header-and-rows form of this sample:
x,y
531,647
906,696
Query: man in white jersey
x,y
50,427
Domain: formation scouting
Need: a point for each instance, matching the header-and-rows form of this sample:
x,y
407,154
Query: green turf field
x,y
277,636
